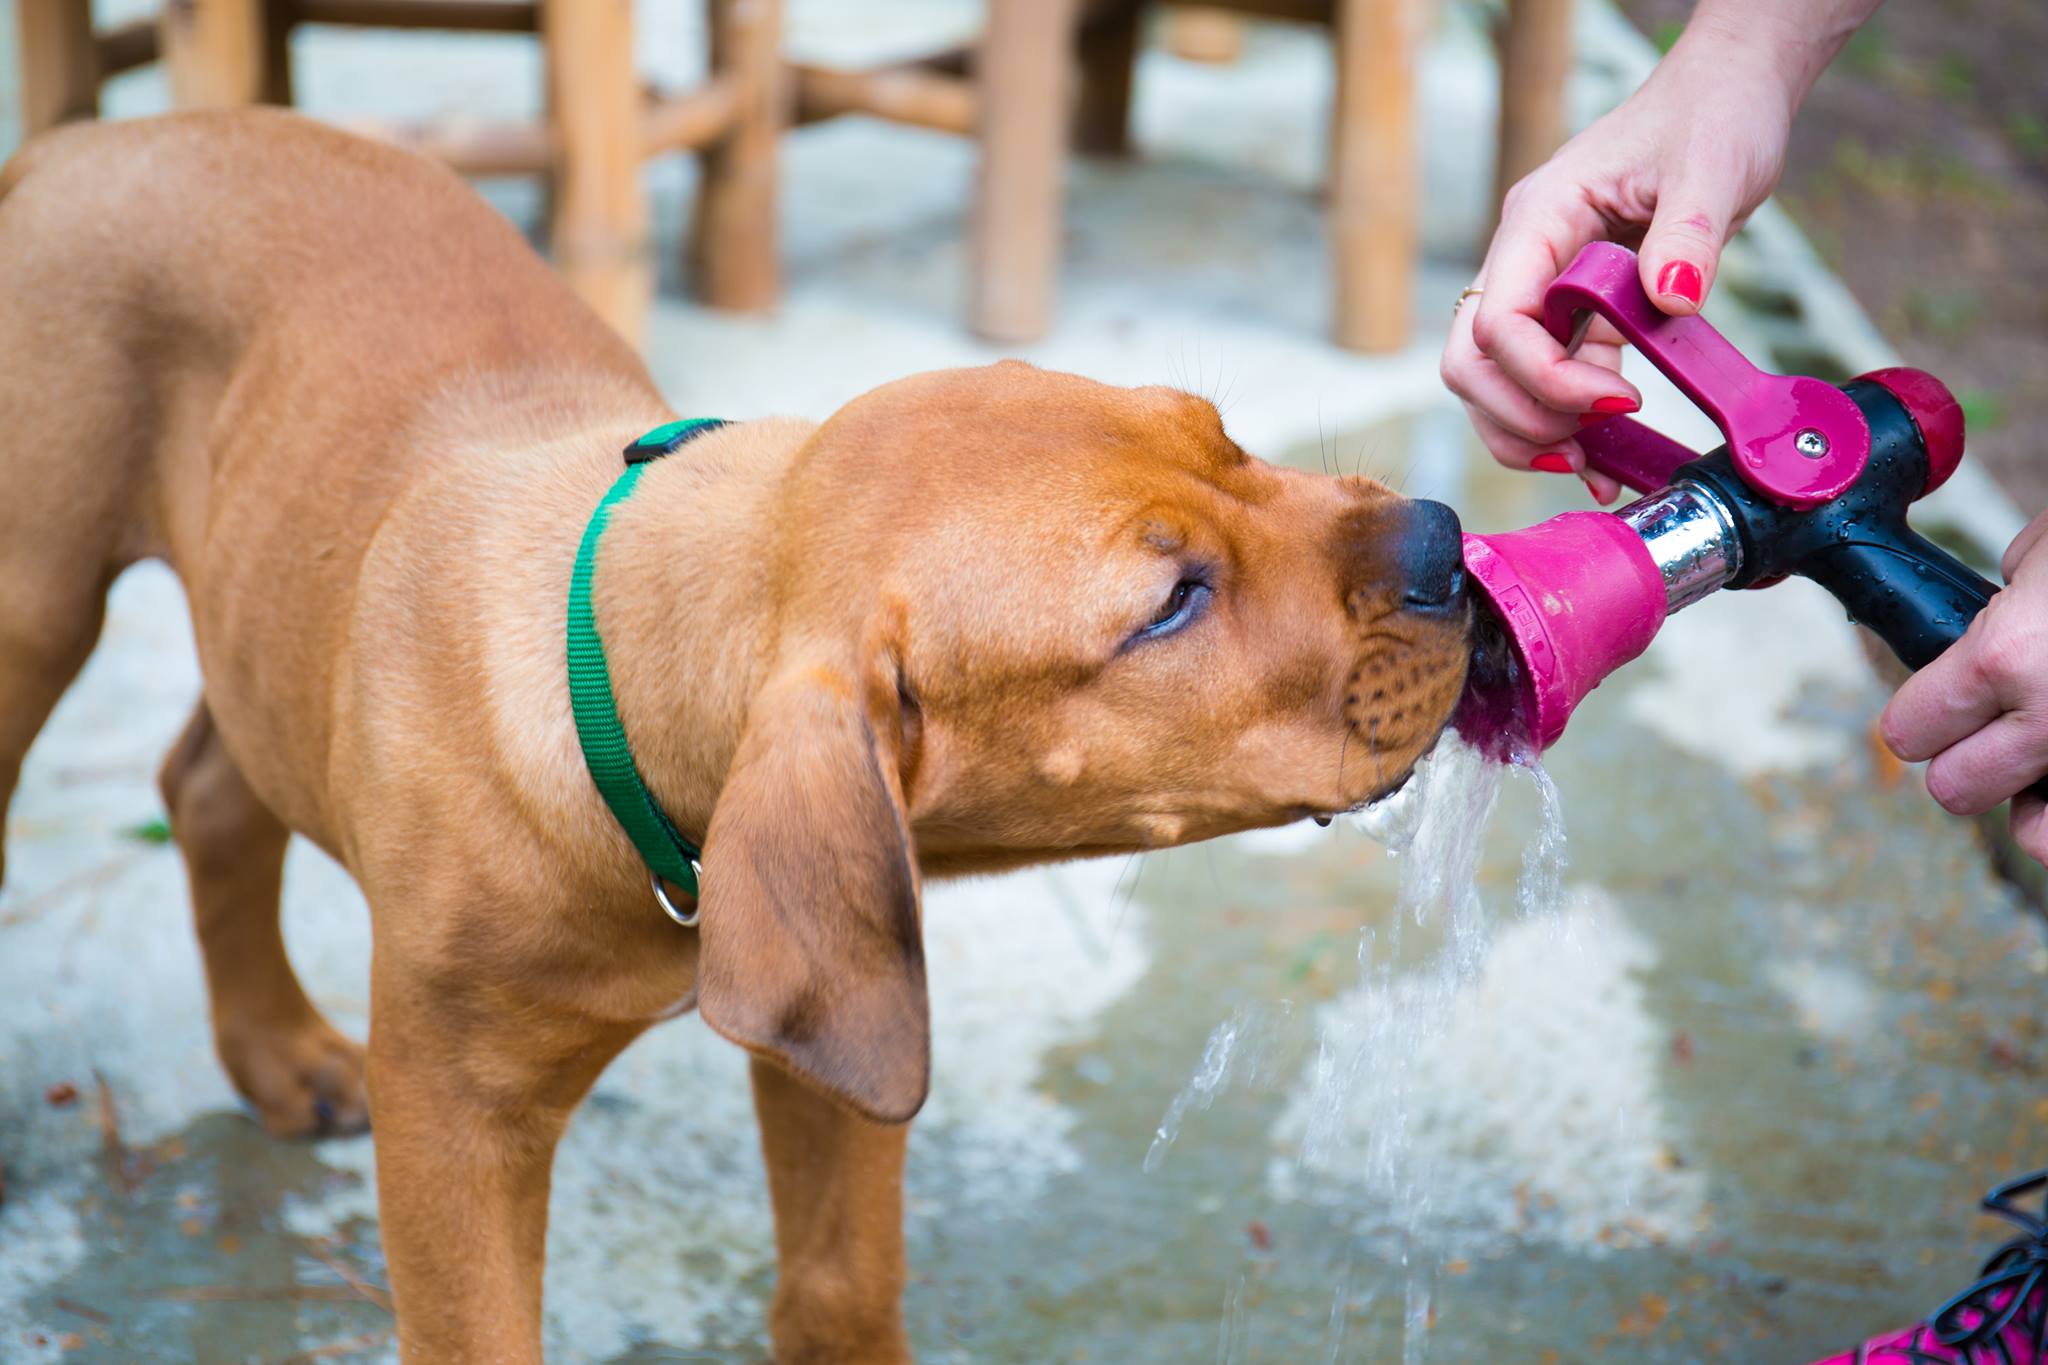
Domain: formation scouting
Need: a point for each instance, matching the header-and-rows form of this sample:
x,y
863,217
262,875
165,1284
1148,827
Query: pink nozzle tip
x,y
1577,597
1934,411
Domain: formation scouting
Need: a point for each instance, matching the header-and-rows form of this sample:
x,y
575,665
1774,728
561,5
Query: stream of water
x,y
1374,1061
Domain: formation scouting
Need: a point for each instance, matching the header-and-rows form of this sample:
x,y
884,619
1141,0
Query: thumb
x,y
2022,546
1682,249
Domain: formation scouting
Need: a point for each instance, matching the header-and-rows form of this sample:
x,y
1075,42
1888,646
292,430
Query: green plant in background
x,y
1945,312
1868,52
1856,165
1982,409
155,830
2028,133
1954,78
1912,174
1312,952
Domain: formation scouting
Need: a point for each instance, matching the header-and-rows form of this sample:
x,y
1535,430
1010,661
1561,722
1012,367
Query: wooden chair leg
x,y
1374,180
59,63
1109,57
277,52
599,231
1201,34
1022,71
1535,63
214,50
734,247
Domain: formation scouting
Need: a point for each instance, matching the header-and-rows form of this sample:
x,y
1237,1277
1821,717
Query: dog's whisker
x,y
1135,866
1229,395
1408,474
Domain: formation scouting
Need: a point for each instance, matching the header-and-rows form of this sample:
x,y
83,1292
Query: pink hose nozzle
x,y
1576,597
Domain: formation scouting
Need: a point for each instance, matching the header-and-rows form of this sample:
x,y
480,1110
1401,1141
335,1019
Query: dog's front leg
x,y
837,1184
471,1082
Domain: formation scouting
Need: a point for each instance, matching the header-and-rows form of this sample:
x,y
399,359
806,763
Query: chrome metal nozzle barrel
x,y
1691,537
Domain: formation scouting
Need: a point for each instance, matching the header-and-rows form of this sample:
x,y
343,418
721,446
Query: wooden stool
x,y
1375,181
598,129
1021,94
1011,91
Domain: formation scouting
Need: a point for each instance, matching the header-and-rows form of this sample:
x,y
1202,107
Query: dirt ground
x,y
1919,167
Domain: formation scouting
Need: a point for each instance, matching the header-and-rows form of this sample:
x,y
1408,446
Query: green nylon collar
x,y
668,854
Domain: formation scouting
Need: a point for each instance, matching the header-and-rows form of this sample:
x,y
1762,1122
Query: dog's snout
x,y
1432,557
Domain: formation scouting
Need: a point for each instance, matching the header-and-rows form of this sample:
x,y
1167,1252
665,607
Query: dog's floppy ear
x,y
812,951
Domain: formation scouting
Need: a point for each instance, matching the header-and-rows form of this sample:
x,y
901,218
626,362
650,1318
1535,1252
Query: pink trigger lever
x,y
1797,440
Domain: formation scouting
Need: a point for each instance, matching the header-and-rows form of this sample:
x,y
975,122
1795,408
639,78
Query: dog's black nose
x,y
1432,558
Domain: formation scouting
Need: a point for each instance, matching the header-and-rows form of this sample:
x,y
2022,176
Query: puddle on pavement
x,y
187,1256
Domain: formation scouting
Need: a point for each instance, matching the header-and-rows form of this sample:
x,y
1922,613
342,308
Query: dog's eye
x,y
1182,606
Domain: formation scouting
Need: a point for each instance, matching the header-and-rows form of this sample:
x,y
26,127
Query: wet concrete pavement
x,y
1729,1095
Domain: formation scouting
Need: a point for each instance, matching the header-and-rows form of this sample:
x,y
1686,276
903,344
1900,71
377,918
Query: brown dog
x,y
975,620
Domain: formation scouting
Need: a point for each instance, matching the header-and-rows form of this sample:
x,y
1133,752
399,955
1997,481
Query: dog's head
x,y
1026,616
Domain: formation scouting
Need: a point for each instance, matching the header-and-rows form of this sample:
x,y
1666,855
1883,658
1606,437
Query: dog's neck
x,y
680,593
683,603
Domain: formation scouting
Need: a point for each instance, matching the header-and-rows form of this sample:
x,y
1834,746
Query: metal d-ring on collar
x,y
686,918
672,859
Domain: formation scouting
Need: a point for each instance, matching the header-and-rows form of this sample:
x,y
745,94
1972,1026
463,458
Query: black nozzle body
x,y
1914,595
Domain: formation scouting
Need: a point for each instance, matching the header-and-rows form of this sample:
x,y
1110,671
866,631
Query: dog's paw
x,y
303,1082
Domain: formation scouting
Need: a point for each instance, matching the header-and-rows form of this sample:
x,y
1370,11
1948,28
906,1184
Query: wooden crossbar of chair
x,y
599,127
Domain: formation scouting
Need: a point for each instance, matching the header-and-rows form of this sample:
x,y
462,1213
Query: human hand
x,y
1678,167
1980,711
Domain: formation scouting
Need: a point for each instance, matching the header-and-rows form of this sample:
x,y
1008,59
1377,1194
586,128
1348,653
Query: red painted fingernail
x,y
1595,492
1604,408
1681,280
1552,464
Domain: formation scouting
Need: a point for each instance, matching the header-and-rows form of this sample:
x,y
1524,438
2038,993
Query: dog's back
x,y
147,267
222,333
